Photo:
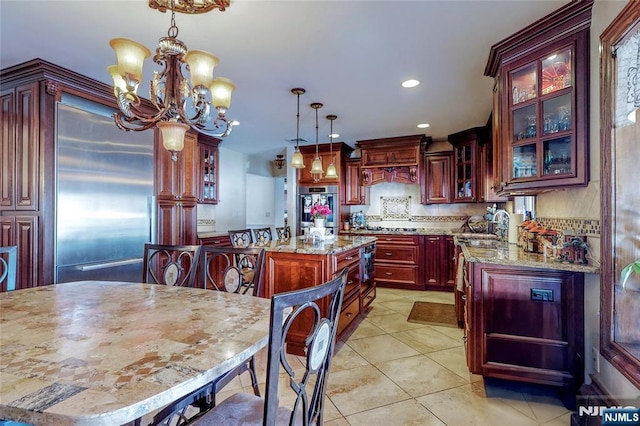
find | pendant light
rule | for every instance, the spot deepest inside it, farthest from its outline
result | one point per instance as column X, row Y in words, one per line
column 331, row 168
column 316, row 166
column 297, row 162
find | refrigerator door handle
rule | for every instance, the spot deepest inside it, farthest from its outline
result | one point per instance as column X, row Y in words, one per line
column 106, row 265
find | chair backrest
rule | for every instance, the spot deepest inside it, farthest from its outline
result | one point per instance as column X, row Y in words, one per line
column 170, row 264
column 283, row 232
column 8, row 266
column 231, row 269
column 262, row 235
column 285, row 308
column 241, row 237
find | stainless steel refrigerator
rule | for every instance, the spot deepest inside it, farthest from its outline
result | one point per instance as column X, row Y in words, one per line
column 104, row 195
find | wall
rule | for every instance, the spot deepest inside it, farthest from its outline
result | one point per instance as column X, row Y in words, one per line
column 231, row 210
column 584, row 203
column 260, row 201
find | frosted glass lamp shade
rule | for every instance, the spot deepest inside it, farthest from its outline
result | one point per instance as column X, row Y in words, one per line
column 316, row 166
column 201, row 65
column 221, row 89
column 332, row 173
column 131, row 56
column 297, row 162
column 118, row 81
column 172, row 134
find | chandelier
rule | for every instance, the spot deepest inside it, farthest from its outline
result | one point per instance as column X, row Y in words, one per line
column 297, row 162
column 179, row 105
column 279, row 161
column 189, row 6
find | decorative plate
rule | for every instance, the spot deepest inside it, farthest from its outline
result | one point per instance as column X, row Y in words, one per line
column 398, row 208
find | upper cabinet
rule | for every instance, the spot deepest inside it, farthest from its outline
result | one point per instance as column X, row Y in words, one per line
column 338, row 151
column 208, row 177
column 540, row 103
column 355, row 193
column 396, row 159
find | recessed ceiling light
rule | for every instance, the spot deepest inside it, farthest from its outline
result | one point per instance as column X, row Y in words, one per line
column 410, row 83
column 423, row 125
column 334, row 135
column 235, row 123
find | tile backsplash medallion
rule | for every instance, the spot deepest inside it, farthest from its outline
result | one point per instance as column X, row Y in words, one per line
column 206, row 214
column 397, row 205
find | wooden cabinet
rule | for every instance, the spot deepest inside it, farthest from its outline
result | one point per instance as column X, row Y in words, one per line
column 437, row 179
column 219, row 241
column 339, row 151
column 354, row 192
column 542, row 111
column 466, row 146
column 294, row 271
column 526, row 324
column 398, row 261
column 395, row 159
column 209, row 167
column 439, row 262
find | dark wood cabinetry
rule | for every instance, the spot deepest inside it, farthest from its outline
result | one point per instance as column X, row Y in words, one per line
column 354, row 192
column 437, row 178
column 466, row 155
column 398, row 261
column 339, row 151
column 209, row 167
column 439, row 267
column 525, row 324
column 396, row 159
column 541, row 103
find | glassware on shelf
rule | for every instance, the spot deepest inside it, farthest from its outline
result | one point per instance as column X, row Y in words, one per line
column 564, row 118
column 531, row 127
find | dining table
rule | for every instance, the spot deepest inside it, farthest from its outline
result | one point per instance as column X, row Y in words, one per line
column 109, row 353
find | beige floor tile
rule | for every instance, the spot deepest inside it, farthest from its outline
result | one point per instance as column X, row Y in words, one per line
column 402, row 413
column 455, row 360
column 426, row 339
column 419, row 375
column 347, row 358
column 366, row 328
column 453, row 332
column 362, row 388
column 395, row 322
column 402, row 307
column 337, row 422
column 563, row 420
column 381, row 348
column 378, row 310
column 330, row 411
column 435, row 297
column 465, row 405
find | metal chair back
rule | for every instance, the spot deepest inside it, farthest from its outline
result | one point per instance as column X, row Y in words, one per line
column 232, row 269
column 241, row 237
column 283, row 233
column 263, row 236
column 170, row 264
column 8, row 267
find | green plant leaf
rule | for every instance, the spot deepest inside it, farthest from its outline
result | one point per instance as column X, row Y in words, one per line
column 628, row 270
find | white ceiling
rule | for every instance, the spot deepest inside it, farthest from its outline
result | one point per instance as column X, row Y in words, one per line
column 351, row 55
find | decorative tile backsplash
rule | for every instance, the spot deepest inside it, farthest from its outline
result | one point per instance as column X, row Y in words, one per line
column 395, row 208
column 589, row 227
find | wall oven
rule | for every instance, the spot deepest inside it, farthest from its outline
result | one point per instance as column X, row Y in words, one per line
column 308, row 196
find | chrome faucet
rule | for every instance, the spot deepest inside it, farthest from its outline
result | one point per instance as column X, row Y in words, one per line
column 500, row 223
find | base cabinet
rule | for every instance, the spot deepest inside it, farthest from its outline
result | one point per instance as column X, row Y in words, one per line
column 439, row 262
column 398, row 261
column 526, row 324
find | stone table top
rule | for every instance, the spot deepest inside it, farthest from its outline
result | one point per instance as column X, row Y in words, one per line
column 301, row 245
column 107, row 353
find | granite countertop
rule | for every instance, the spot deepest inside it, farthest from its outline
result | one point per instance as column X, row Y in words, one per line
column 502, row 253
column 213, row 234
column 300, row 245
column 393, row 231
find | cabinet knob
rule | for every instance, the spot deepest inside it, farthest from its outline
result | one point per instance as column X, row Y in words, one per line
column 349, row 314
column 388, row 273
column 388, row 254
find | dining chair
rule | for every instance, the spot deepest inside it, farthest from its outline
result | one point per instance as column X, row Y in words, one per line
column 263, row 236
column 283, row 233
column 309, row 385
column 241, row 237
column 8, row 266
column 233, row 270
column 170, row 264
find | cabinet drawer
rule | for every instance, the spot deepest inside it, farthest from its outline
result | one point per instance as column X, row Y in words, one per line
column 346, row 259
column 353, row 281
column 216, row 241
column 397, row 254
column 348, row 314
column 409, row 240
column 396, row 274
column 368, row 297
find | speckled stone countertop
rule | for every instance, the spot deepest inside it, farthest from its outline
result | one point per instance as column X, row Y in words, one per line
column 106, row 353
column 502, row 253
column 300, row 245
column 385, row 231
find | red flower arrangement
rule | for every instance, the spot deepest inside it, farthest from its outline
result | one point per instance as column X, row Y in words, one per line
column 320, row 211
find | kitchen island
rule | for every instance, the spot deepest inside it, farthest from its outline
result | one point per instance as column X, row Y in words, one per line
column 523, row 314
column 300, row 263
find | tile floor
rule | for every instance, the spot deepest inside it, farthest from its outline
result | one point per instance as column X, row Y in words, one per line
column 387, row 371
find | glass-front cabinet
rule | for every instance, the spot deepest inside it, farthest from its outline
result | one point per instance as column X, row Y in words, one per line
column 208, row 177
column 543, row 104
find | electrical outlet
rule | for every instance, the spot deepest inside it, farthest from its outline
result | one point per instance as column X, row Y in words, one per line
column 595, row 357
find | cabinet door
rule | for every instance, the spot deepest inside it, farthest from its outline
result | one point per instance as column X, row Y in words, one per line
column 433, row 272
column 404, row 156
column 177, row 179
column 208, row 160
column 354, row 193
column 448, row 259
column 545, row 137
column 176, row 221
column 304, row 175
column 438, row 179
column 22, row 231
column 465, row 161
column 374, row 157
column 7, row 149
